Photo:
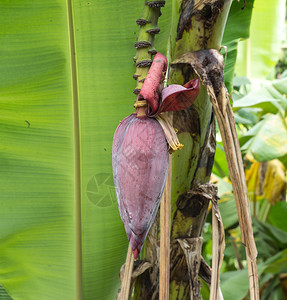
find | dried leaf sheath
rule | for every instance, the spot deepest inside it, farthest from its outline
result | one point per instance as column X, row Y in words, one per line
column 218, row 246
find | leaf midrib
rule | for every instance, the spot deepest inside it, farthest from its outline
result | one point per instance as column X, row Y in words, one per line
column 77, row 162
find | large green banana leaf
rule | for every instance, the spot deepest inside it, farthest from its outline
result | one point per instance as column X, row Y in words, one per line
column 259, row 54
column 237, row 27
column 65, row 83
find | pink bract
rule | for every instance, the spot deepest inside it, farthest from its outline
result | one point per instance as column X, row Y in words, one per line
column 140, row 163
column 150, row 90
column 173, row 98
column 176, row 97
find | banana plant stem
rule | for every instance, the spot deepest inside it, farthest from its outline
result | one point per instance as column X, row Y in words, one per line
column 145, row 43
column 219, row 98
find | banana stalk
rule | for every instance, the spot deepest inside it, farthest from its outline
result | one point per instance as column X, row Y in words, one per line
column 145, row 43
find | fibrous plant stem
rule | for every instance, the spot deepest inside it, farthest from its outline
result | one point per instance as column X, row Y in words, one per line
column 195, row 30
column 208, row 64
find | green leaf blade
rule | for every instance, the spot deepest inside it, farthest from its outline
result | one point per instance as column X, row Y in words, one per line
column 268, row 139
column 258, row 55
column 37, row 255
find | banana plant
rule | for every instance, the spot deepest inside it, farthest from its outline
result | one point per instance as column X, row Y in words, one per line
column 66, row 82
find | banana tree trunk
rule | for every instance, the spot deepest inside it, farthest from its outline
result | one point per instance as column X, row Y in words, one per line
column 195, row 25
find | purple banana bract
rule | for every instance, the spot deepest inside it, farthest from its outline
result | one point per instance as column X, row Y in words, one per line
column 140, row 163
